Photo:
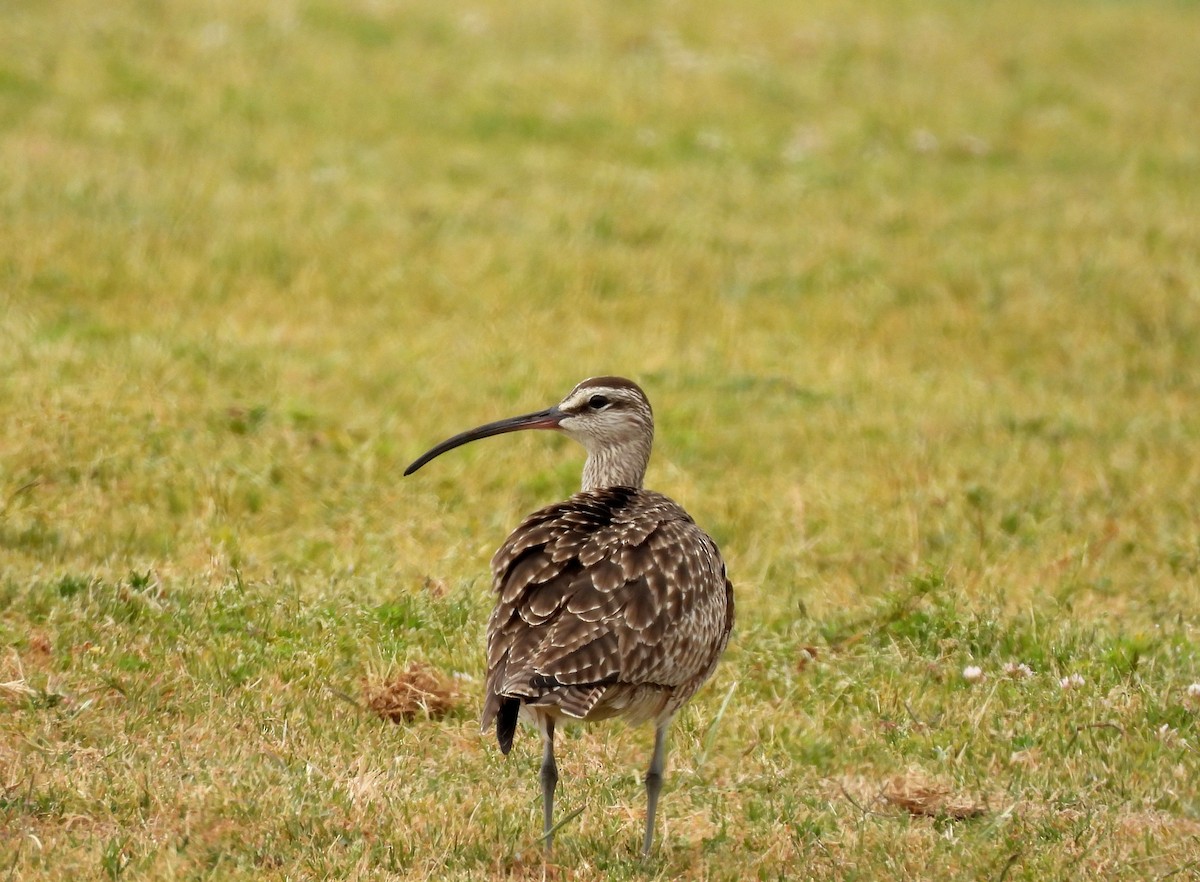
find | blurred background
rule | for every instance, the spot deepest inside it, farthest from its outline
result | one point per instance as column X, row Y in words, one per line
column 911, row 285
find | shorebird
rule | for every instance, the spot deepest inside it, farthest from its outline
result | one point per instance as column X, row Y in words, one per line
column 612, row 603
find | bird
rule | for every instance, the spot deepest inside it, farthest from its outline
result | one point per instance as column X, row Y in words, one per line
column 611, row 603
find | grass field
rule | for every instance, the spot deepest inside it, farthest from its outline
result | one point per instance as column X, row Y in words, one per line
column 913, row 287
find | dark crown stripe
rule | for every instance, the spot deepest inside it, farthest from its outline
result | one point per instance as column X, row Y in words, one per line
column 610, row 383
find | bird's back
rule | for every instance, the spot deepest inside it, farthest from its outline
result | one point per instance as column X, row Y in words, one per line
column 610, row 603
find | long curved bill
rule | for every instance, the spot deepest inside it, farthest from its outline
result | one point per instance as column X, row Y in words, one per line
column 543, row 419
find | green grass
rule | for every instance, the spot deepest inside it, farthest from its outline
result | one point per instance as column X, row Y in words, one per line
column 913, row 287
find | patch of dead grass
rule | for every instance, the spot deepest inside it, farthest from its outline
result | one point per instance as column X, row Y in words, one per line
column 416, row 692
column 12, row 679
column 915, row 792
column 919, row 794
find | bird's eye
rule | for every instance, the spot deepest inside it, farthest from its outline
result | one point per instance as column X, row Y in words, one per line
column 598, row 402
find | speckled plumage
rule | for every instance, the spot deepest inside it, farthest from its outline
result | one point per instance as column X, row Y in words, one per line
column 610, row 603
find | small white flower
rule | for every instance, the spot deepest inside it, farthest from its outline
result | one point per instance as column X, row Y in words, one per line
column 711, row 140
column 1017, row 671
column 924, row 141
column 1165, row 732
column 1072, row 682
column 1194, row 691
column 972, row 673
column 473, row 23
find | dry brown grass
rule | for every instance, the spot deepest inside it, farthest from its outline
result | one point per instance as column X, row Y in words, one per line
column 918, row 794
column 419, row 692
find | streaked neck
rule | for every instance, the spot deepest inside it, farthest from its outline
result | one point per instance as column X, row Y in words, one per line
column 623, row 466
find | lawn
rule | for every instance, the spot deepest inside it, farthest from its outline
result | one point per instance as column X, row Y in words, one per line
column 914, row 289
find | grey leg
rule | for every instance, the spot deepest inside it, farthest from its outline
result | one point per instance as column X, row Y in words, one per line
column 549, row 779
column 654, row 782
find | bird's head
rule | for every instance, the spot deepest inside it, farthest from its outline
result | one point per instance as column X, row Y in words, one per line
column 609, row 416
column 606, row 412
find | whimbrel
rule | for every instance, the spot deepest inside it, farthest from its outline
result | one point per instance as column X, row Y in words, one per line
column 612, row 603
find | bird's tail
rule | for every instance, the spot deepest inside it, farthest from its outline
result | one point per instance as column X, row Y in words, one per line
column 506, row 722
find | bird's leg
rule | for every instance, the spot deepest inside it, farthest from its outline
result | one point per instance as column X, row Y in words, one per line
column 548, row 777
column 654, row 782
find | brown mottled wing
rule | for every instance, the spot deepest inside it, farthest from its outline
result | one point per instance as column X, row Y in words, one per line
column 612, row 590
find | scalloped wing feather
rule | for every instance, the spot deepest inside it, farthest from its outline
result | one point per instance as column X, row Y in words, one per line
column 613, row 601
